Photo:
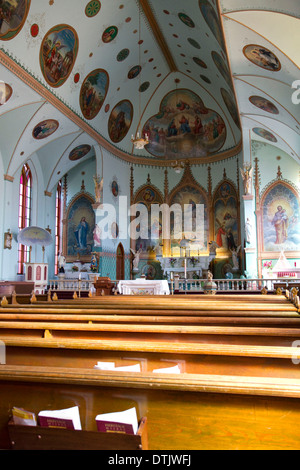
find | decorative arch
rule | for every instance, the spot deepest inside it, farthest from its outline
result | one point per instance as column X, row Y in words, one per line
column 147, row 195
column 226, row 216
column 189, row 191
column 79, row 224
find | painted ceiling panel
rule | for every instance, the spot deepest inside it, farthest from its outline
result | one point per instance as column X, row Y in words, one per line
column 108, row 69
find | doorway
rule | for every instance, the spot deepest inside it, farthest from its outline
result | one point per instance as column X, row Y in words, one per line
column 120, row 263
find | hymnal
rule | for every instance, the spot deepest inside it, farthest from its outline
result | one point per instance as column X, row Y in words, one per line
column 125, row 422
column 68, row 418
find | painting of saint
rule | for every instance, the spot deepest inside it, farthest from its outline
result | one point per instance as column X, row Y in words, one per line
column 222, row 67
column 264, row 134
column 45, row 129
column 281, row 219
column 109, row 34
column 13, row 14
column 93, row 93
column 226, row 217
column 79, row 152
column 115, row 188
column 5, row 93
column 184, row 126
column 120, row 121
column 58, row 54
column 264, row 104
column 80, row 227
column 262, row 57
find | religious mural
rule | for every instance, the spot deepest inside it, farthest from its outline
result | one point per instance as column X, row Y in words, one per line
column 191, row 196
column 211, row 18
column 80, row 227
column 93, row 93
column 231, row 106
column 45, row 129
column 264, row 134
column 226, row 223
column 264, row 104
column 281, row 219
column 13, row 14
column 79, row 152
column 262, row 57
column 58, row 54
column 147, row 196
column 222, row 67
column 184, row 126
column 120, row 121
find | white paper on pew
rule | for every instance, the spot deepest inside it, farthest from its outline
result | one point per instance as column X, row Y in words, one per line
column 111, row 366
column 67, row 414
column 105, row 366
column 135, row 368
column 168, row 370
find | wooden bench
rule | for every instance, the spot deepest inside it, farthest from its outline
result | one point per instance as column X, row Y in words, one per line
column 187, row 412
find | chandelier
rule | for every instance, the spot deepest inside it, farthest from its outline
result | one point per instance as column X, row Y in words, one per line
column 178, row 166
column 140, row 140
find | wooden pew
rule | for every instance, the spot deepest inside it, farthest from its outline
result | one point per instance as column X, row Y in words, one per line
column 186, row 412
column 231, row 347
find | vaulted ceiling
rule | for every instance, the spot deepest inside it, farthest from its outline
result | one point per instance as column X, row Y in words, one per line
column 199, row 77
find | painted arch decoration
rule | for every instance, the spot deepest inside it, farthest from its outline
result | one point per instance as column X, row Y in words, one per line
column 184, row 126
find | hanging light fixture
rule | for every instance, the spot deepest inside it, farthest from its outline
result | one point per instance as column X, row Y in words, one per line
column 178, row 166
column 140, row 140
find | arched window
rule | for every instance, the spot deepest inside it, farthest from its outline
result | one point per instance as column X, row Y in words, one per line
column 25, row 192
column 58, row 216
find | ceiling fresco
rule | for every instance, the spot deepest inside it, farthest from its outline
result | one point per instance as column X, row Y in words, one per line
column 198, row 77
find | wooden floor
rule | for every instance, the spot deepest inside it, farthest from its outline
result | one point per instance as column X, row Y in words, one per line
column 239, row 386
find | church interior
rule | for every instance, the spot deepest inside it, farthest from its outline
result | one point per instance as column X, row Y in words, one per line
column 150, row 223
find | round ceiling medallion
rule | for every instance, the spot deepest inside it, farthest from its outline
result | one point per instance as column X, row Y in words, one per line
column 34, row 30
column 92, row 8
column 58, row 54
column 264, row 134
column 79, row 152
column 109, row 34
column 186, row 20
column 5, row 93
column 120, row 121
column 264, row 104
column 13, row 16
column 93, row 93
column 123, row 54
column 262, row 57
column 134, row 72
column 45, row 129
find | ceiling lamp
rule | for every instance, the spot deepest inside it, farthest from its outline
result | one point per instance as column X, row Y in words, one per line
column 140, row 140
column 178, row 167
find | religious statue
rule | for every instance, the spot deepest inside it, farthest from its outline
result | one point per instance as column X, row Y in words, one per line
column 248, row 230
column 235, row 261
column 136, row 259
column 247, row 173
column 213, row 247
column 61, row 263
column 98, row 182
column 94, row 264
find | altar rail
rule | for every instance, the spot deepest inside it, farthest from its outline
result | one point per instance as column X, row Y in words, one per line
column 187, row 285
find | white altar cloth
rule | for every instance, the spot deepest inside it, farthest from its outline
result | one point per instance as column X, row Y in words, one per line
column 144, row 287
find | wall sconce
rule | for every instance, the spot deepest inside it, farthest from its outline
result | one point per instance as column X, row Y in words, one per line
column 8, row 240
